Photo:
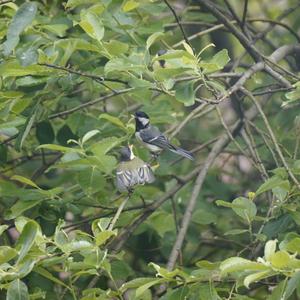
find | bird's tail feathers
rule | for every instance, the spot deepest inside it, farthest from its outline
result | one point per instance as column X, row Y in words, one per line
column 182, row 152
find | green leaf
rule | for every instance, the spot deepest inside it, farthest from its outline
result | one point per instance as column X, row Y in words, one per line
column 153, row 38
column 270, row 249
column 161, row 222
column 29, row 81
column 65, row 134
column 17, row 291
column 242, row 206
column 49, row 276
column 278, row 292
column 163, row 272
column 291, row 243
column 218, row 62
column 235, row 264
column 207, row 292
column 221, row 58
column 89, row 135
column 45, row 133
column 92, row 25
column 141, row 289
column 26, row 128
column 130, row 5
column 79, row 245
column 27, row 57
column 3, row 228
column 104, row 236
column 24, row 180
column 91, row 180
column 74, row 3
column 176, row 54
column 116, row 48
column 256, row 277
column 20, row 21
column 3, row 154
column 19, row 207
column 58, row 29
column 114, row 120
column 276, row 226
column 169, row 73
column 125, row 65
column 6, row 254
column 272, row 183
column 13, row 68
column 58, row 148
column 135, row 283
column 292, row 96
column 201, row 216
column 280, row 259
column 26, row 239
column 185, row 93
column 292, row 284
column 77, row 44
column 235, row 231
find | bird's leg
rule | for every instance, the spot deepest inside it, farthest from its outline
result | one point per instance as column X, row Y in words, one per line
column 130, row 191
column 154, row 157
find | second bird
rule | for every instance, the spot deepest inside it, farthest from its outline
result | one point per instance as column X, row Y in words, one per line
column 151, row 137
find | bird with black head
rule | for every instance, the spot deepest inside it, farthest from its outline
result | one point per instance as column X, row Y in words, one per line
column 151, row 137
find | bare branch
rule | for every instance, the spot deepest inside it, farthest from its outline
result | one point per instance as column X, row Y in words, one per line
column 178, row 22
column 268, row 126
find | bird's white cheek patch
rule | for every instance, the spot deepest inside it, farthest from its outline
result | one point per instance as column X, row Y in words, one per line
column 144, row 121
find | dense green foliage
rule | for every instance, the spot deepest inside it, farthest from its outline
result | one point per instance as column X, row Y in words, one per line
column 225, row 226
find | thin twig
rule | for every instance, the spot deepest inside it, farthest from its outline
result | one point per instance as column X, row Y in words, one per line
column 178, row 22
column 187, row 119
column 264, row 135
column 91, row 76
column 216, row 150
column 272, row 135
column 117, row 215
column 255, row 54
column 244, row 14
column 87, row 104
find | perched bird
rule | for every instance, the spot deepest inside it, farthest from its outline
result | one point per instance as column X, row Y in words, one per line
column 151, row 137
column 132, row 171
column 162, row 62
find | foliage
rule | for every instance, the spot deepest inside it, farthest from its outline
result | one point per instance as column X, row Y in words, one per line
column 72, row 73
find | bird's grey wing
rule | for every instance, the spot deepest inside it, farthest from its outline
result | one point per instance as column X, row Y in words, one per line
column 153, row 136
column 124, row 180
column 145, row 174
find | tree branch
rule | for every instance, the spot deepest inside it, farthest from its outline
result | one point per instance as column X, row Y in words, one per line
column 239, row 35
column 216, row 150
column 276, row 56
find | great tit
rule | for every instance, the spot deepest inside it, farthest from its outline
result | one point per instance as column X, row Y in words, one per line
column 132, row 171
column 151, row 137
